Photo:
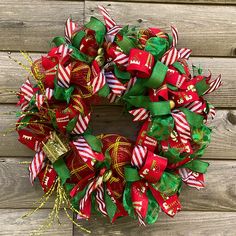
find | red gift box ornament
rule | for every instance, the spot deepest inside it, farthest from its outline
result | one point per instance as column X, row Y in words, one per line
column 140, row 63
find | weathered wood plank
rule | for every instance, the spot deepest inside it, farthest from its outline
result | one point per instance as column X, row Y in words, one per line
column 110, row 119
column 12, row 76
column 219, row 194
column 31, row 25
column 12, row 224
column 207, row 30
column 186, row 223
column 224, row 2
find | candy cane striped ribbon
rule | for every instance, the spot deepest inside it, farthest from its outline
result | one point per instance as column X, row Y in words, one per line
column 24, row 105
column 109, row 22
column 192, row 179
column 175, row 36
column 36, row 165
column 113, row 97
column 115, row 85
column 64, row 75
column 39, row 100
column 196, row 106
column 121, row 58
column 182, row 126
column 138, row 156
column 70, row 28
column 212, row 112
column 130, row 84
column 110, row 36
column 99, row 79
column 139, row 114
column 215, row 84
column 100, row 200
column 184, row 53
column 170, row 57
column 140, row 219
column 81, row 124
column 64, row 50
column 49, row 93
column 27, row 90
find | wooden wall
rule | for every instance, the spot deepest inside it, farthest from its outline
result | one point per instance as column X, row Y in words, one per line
column 208, row 27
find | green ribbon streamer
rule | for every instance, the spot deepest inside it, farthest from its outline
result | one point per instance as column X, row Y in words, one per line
column 93, row 142
column 169, row 183
column 197, row 166
column 157, row 47
column 137, row 89
column 179, row 67
column 193, row 119
column 201, row 87
column 159, row 108
column 158, row 75
column 24, row 122
column 172, row 87
column 104, row 91
column 110, row 205
column 77, row 197
column 161, row 127
column 77, row 38
column 127, row 201
column 124, row 76
column 173, row 155
column 62, row 94
column 153, row 209
column 62, row 170
column 100, row 29
column 196, row 70
column 131, row 174
column 59, row 41
column 71, row 124
column 126, row 44
column 76, row 54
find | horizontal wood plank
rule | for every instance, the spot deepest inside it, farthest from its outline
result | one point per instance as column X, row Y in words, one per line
column 224, row 2
column 31, row 25
column 12, row 224
column 184, row 224
column 218, row 195
column 12, row 76
column 111, row 119
column 207, row 30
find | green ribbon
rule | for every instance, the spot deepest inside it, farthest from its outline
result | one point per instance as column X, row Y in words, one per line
column 201, row 87
column 110, row 205
column 100, row 29
column 77, row 197
column 177, row 65
column 71, row 124
column 93, row 142
column 153, row 209
column 127, row 201
column 124, row 76
column 159, row 108
column 197, row 166
column 157, row 47
column 161, row 127
column 158, row 75
column 126, row 44
column 58, row 41
column 76, row 54
column 131, row 174
column 193, row 119
column 77, row 38
column 169, row 183
column 62, row 94
column 104, row 91
column 62, row 170
column 137, row 89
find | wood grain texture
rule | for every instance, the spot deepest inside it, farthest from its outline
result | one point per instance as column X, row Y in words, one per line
column 12, row 76
column 223, row 2
column 207, row 30
column 184, row 224
column 111, row 119
column 31, row 25
column 12, row 224
column 219, row 194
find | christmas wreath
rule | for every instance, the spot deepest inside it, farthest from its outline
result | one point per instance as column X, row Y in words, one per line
column 109, row 174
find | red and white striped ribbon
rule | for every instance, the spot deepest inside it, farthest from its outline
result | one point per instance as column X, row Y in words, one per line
column 196, row 106
column 39, row 100
column 99, row 79
column 139, row 114
column 121, row 59
column 27, row 90
column 140, row 219
column 115, row 85
column 24, row 105
column 175, row 36
column 81, row 124
column 49, row 93
column 184, row 53
column 182, row 126
column 192, row 179
column 215, row 84
column 109, row 22
column 130, row 84
column 64, row 50
column 70, row 28
column 170, row 57
column 64, row 75
column 101, row 200
column 36, row 165
column 138, row 156
column 112, row 97
column 212, row 112
column 110, row 35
